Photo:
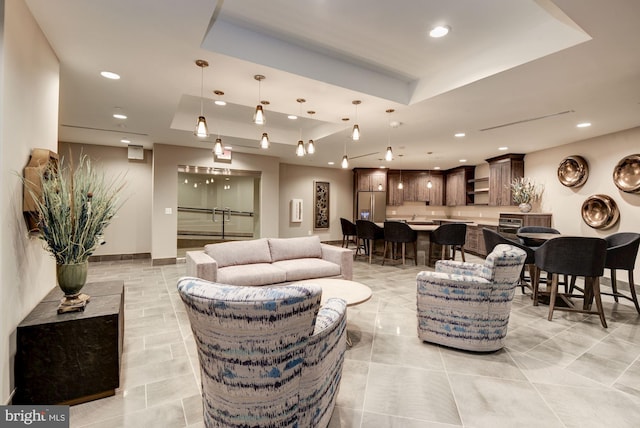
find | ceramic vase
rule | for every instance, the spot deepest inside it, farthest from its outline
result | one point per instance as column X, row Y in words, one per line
column 72, row 277
column 524, row 207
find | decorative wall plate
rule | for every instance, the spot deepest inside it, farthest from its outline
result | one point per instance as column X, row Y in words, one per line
column 626, row 174
column 573, row 171
column 600, row 212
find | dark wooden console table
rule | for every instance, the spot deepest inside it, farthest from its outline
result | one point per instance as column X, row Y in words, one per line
column 73, row 357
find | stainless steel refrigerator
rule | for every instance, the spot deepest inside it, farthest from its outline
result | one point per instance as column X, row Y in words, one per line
column 372, row 206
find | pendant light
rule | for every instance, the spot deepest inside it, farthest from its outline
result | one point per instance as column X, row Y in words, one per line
column 300, row 151
column 217, row 147
column 429, row 183
column 400, row 185
column 264, row 141
column 345, row 161
column 201, row 131
column 355, row 133
column 311, row 146
column 389, row 154
column 259, row 117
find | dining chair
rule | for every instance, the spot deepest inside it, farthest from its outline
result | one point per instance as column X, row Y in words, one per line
column 368, row 232
column 397, row 232
column 451, row 236
column 493, row 238
column 622, row 250
column 575, row 256
column 348, row 232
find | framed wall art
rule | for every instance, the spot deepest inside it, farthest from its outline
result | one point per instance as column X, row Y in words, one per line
column 321, row 205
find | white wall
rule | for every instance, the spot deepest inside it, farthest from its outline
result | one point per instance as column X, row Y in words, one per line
column 167, row 158
column 130, row 231
column 29, row 86
column 296, row 182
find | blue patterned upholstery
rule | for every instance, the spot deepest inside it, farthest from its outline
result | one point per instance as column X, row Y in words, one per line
column 269, row 356
column 467, row 305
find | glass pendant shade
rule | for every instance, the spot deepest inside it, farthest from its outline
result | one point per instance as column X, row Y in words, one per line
column 300, row 148
column 217, row 147
column 345, row 161
column 258, row 117
column 264, row 141
column 429, row 184
column 355, row 134
column 389, row 155
column 400, row 185
column 202, row 130
column 311, row 147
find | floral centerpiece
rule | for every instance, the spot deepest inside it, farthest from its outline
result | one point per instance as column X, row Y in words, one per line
column 524, row 191
column 73, row 205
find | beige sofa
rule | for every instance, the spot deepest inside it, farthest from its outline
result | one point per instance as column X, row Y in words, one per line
column 269, row 261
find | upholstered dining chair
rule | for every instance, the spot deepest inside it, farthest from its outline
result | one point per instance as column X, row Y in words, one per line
column 493, row 238
column 397, row 232
column 578, row 257
column 348, row 232
column 467, row 305
column 622, row 250
column 368, row 232
column 269, row 356
column 451, row 236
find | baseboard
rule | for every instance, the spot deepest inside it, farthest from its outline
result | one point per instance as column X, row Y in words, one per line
column 116, row 257
column 164, row 262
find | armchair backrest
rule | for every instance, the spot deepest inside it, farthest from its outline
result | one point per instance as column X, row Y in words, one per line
column 503, row 264
column 251, row 344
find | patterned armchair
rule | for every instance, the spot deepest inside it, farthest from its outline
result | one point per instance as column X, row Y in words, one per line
column 467, row 305
column 269, row 356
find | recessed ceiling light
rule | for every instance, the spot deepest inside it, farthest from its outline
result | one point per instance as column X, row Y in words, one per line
column 463, row 160
column 503, row 148
column 439, row 31
column 292, row 117
column 220, row 103
column 459, row 134
column 382, row 167
column 583, row 125
column 110, row 75
column 436, row 167
column 228, row 147
column 125, row 141
column 331, row 163
column 119, row 116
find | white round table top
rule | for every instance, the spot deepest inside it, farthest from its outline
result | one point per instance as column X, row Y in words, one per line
column 352, row 292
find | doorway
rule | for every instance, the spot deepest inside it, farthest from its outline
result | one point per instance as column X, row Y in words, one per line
column 216, row 205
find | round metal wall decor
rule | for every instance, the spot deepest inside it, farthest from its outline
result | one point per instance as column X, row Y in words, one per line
column 626, row 174
column 573, row 171
column 600, row 212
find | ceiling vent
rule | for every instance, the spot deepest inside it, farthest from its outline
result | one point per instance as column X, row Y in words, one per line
column 504, row 125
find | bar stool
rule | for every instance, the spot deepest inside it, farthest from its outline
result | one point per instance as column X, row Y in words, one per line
column 368, row 232
column 534, row 243
column 450, row 235
column 575, row 256
column 396, row 232
column 622, row 250
column 348, row 232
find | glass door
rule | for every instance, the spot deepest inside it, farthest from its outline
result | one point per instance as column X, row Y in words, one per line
column 216, row 205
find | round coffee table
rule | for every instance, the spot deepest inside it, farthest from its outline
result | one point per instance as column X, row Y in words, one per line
column 354, row 293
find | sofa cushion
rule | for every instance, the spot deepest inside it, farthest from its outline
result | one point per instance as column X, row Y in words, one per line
column 308, row 268
column 253, row 274
column 295, row 248
column 239, row 252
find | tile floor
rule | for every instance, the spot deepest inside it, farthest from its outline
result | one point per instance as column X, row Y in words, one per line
column 570, row 372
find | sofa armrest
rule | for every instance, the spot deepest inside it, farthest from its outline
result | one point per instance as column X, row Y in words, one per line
column 340, row 256
column 461, row 268
column 201, row 265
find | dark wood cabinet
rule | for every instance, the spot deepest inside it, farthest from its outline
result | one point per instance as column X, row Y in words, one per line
column 475, row 239
column 394, row 195
column 73, row 357
column 436, row 193
column 502, row 171
column 415, row 187
column 370, row 179
column 458, row 189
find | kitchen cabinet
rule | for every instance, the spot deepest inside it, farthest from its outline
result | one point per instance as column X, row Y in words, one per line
column 394, row 195
column 370, row 179
column 457, row 186
column 502, row 170
column 436, row 193
column 475, row 239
